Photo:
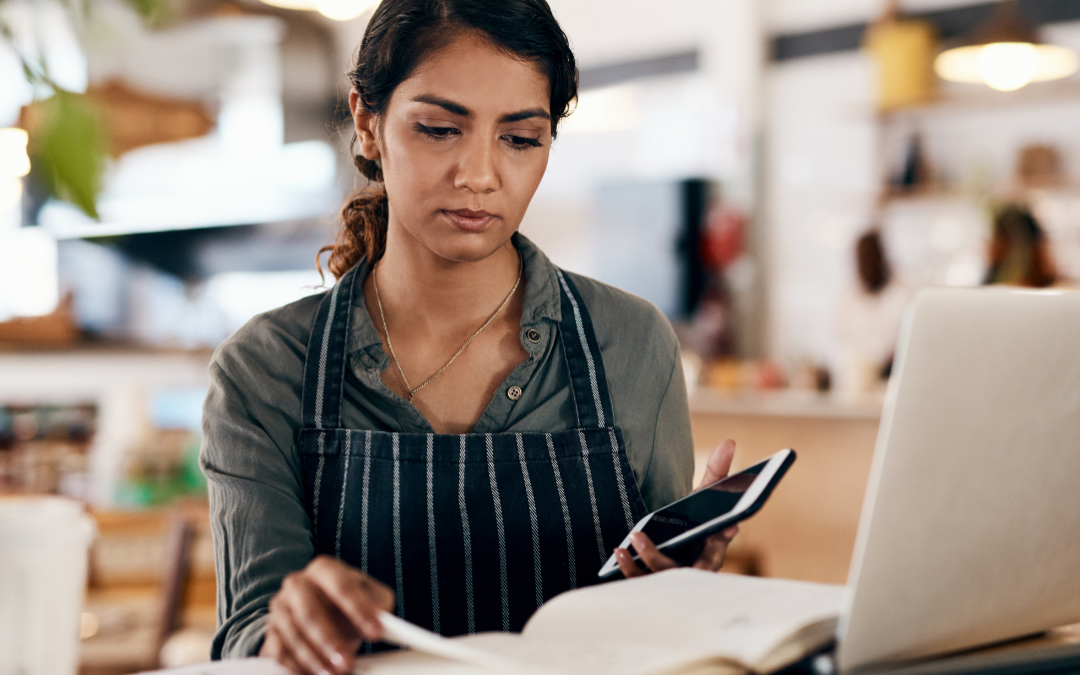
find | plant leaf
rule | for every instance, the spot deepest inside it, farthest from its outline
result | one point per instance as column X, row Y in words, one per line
column 149, row 9
column 68, row 145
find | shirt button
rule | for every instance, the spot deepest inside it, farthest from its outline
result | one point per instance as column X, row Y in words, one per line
column 513, row 393
column 532, row 335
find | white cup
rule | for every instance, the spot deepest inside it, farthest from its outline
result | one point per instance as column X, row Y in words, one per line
column 44, row 547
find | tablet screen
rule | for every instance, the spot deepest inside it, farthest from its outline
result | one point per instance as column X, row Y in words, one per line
column 702, row 506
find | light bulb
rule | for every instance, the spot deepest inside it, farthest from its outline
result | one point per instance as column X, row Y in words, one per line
column 1007, row 66
column 342, row 10
column 1056, row 62
column 14, row 161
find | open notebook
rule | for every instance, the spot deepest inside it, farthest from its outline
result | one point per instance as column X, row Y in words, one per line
column 681, row 622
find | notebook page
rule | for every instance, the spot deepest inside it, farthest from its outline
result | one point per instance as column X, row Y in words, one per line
column 513, row 654
column 405, row 634
column 571, row 657
column 414, row 663
column 689, row 611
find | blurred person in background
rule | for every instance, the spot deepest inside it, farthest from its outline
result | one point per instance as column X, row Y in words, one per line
column 1019, row 252
column 458, row 430
column 870, row 316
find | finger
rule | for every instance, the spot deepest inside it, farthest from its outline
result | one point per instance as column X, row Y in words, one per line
column 323, row 625
column 713, row 553
column 296, row 643
column 273, row 649
column 356, row 595
column 271, row 645
column 626, row 564
column 719, row 463
column 291, row 664
column 649, row 554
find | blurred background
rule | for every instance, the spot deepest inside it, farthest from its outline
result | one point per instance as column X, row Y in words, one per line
column 778, row 176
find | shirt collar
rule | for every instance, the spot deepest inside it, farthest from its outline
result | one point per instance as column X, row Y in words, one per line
column 543, row 303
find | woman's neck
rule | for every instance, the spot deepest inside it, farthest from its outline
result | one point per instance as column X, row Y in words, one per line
column 423, row 291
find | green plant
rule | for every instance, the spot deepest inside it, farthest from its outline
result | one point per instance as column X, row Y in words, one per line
column 67, row 142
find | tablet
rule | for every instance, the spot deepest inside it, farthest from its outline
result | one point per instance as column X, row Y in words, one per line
column 679, row 529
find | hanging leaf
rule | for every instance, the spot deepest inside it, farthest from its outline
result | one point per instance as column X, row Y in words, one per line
column 67, row 139
column 67, row 143
column 148, row 9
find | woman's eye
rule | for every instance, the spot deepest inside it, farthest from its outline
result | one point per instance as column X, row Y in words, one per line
column 522, row 141
column 437, row 132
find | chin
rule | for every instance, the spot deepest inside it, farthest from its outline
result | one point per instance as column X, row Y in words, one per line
column 471, row 247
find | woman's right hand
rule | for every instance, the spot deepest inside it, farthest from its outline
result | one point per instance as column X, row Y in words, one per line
column 322, row 615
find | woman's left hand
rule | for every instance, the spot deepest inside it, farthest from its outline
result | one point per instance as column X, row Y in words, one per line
column 712, row 556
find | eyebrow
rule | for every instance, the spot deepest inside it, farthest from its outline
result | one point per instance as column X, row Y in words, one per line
column 462, row 111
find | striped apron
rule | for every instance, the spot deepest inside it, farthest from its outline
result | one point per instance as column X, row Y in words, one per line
column 473, row 532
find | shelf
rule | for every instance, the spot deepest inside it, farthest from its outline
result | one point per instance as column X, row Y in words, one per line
column 80, row 375
column 955, row 100
column 1010, row 194
column 786, row 403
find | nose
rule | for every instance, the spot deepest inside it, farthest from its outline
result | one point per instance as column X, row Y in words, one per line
column 478, row 169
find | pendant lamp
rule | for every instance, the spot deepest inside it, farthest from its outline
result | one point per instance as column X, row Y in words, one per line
column 1005, row 54
column 338, row 10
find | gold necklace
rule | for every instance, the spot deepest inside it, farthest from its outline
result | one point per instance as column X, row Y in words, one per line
column 390, row 345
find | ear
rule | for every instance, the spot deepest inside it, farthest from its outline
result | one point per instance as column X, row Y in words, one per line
column 364, row 123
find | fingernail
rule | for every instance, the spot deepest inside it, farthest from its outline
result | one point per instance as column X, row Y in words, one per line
column 637, row 539
column 338, row 659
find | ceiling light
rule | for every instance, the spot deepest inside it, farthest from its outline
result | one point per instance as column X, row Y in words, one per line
column 14, row 162
column 1005, row 54
column 342, row 10
column 307, row 5
column 338, row 10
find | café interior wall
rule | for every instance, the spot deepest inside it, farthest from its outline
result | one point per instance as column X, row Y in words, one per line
column 819, row 188
column 793, row 16
column 701, row 124
column 827, row 157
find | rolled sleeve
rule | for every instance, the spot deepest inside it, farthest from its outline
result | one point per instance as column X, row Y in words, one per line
column 260, row 527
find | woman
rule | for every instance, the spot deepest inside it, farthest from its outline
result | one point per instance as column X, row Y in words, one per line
column 1019, row 252
column 442, row 423
column 869, row 318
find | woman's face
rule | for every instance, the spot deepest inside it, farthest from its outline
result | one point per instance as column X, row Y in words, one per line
column 464, row 143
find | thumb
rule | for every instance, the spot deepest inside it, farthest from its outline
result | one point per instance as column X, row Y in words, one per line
column 719, row 463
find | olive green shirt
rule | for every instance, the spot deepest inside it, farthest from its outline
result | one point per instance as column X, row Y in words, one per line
column 252, row 413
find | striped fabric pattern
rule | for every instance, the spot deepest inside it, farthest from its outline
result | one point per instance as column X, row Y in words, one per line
column 472, row 532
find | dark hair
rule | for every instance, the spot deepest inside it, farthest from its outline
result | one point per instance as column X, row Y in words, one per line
column 399, row 36
column 873, row 265
column 1019, row 252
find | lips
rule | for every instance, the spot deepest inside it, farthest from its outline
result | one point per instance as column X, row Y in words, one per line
column 469, row 220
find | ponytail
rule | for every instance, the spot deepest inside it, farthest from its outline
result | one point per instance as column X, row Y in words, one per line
column 363, row 224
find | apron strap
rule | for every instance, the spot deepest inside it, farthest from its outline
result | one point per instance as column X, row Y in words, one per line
column 324, row 367
column 587, row 378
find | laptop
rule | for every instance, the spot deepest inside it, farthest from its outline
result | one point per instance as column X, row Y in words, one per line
column 970, row 532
